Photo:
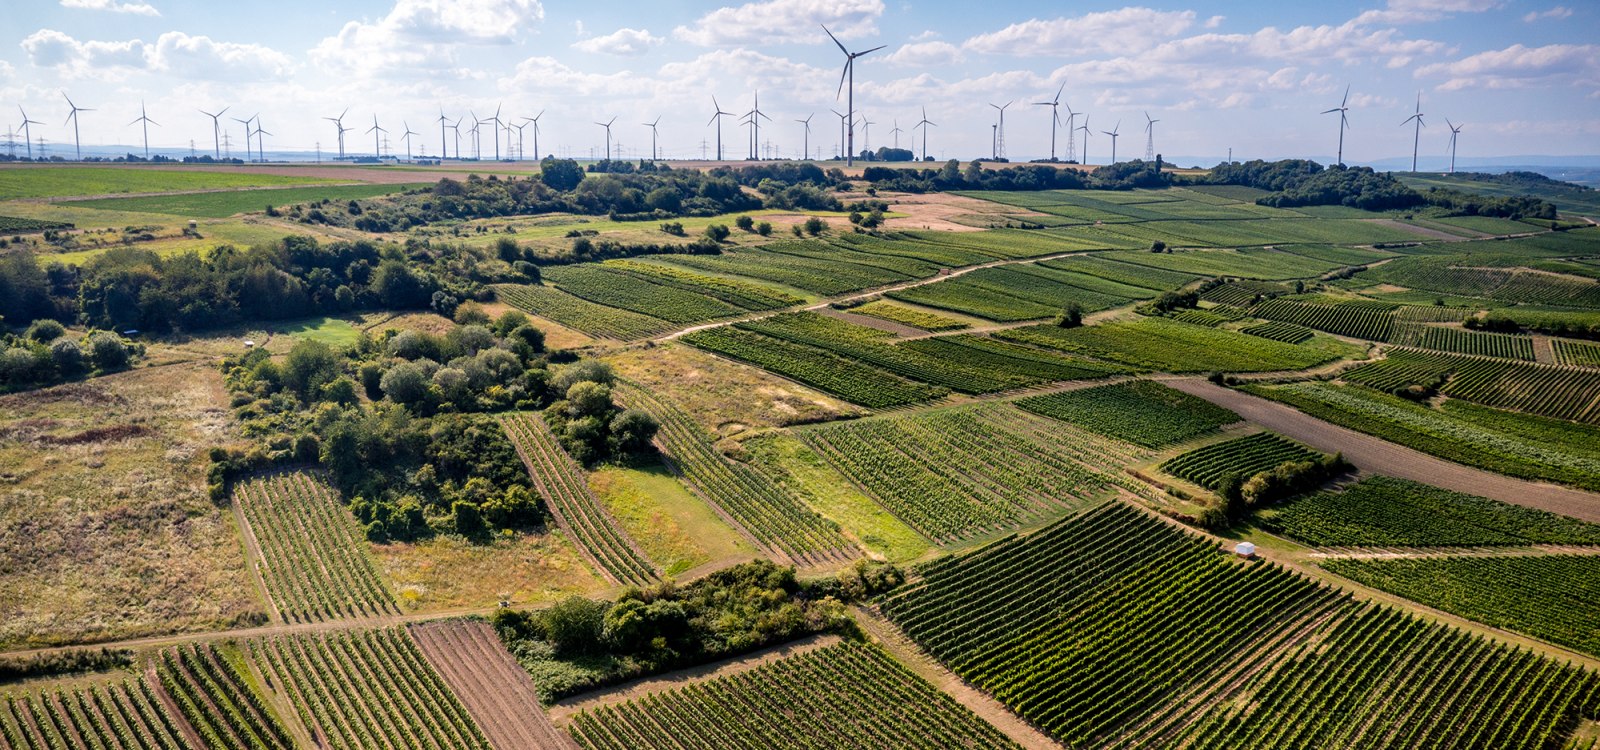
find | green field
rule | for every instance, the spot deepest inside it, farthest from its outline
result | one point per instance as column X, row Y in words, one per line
column 52, row 182
column 1570, row 199
column 1168, row 346
column 1142, row 412
column 223, row 204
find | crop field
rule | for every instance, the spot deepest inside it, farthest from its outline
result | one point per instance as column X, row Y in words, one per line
column 927, row 321
column 561, row 483
column 815, row 275
column 15, row 225
column 1244, row 293
column 581, row 314
column 1491, row 225
column 1011, row 243
column 1262, row 264
column 749, row 499
column 1570, row 393
column 1462, row 341
column 1141, row 412
column 1318, row 669
column 844, row 695
column 1520, row 445
column 1465, row 276
column 902, row 265
column 1579, row 353
column 1245, row 457
column 1355, row 321
column 1155, row 279
column 491, row 685
column 125, row 715
column 1025, row 363
column 848, row 379
column 54, row 182
column 957, row 473
column 602, row 286
column 962, row 296
column 219, row 205
column 213, row 693
column 365, row 689
column 313, row 560
column 1386, row 512
column 1168, row 346
column 1549, row 597
column 742, row 294
column 1277, row 330
column 933, row 249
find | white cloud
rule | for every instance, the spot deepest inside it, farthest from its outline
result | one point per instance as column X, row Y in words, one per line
column 775, row 21
column 48, row 48
column 1421, row 11
column 138, row 9
column 550, row 75
column 1117, row 31
column 423, row 34
column 627, row 42
column 1557, row 13
column 926, row 35
column 202, row 57
column 1518, row 66
column 1215, row 21
column 920, row 54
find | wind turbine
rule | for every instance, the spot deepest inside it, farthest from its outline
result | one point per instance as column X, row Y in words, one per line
column 1000, row 130
column 850, row 106
column 72, row 117
column 535, row 121
column 455, row 127
column 1055, row 117
column 925, row 124
column 1149, row 137
column 216, row 130
column 1113, row 133
column 246, row 124
column 407, row 138
column 444, row 145
column 1085, row 128
column 607, row 126
column 755, row 115
column 338, row 122
column 473, row 131
column 144, row 118
column 1455, row 130
column 805, row 152
column 27, row 132
column 841, row 117
column 261, row 144
column 522, row 151
column 1416, row 137
column 1344, row 122
column 717, row 118
column 377, row 147
column 653, row 133
column 895, row 131
column 866, row 132
column 496, row 121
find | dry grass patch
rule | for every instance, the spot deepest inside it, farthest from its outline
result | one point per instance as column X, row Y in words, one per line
column 672, row 526
column 448, row 572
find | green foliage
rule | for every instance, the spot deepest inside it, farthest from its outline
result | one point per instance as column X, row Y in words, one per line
column 1247, row 456
column 1168, row 346
column 559, row 174
column 1141, row 412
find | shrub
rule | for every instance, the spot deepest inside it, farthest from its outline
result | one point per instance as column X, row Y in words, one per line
column 718, row 232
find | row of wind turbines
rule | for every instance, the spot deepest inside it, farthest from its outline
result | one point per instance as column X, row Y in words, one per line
column 1416, row 136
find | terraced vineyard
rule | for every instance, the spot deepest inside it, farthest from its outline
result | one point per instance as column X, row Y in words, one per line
column 744, row 496
column 846, row 378
column 956, row 473
column 1549, row 597
column 1141, row 412
column 581, row 314
column 1229, row 654
column 846, row 695
column 1356, row 321
column 1462, row 341
column 215, row 698
column 1385, row 512
column 1548, row 390
column 561, row 482
column 125, row 715
column 365, row 689
column 1245, row 456
column 314, row 563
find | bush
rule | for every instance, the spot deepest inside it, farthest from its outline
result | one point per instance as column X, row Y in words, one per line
column 45, row 330
column 764, row 229
column 745, row 223
column 717, row 232
column 1071, row 316
column 815, row 226
column 108, row 351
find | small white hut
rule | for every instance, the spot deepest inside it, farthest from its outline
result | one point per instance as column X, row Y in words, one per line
column 1245, row 549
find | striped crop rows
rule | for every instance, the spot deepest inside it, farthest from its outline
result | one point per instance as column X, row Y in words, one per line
column 846, row 695
column 853, row 381
column 581, row 314
column 314, row 563
column 125, row 715
column 1579, row 353
column 1356, row 321
column 215, row 698
column 774, row 518
column 366, row 690
column 1278, row 330
column 1562, row 392
column 561, row 482
column 1462, row 341
column 1246, row 456
column 956, row 473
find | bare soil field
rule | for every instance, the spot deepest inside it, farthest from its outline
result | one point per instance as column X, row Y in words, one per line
column 494, row 688
column 938, row 211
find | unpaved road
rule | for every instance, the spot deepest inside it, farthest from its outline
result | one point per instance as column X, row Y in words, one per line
column 1383, row 457
column 490, row 683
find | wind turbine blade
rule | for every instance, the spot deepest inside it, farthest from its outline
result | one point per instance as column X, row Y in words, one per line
column 870, row 51
column 835, row 39
column 1331, row 111
column 842, row 74
column 1058, row 91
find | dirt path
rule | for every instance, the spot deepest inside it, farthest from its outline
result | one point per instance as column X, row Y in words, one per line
column 1432, row 234
column 900, row 330
column 171, row 707
column 254, row 560
column 1416, row 553
column 914, row 658
column 495, row 689
column 1383, row 457
column 562, row 711
column 1544, row 352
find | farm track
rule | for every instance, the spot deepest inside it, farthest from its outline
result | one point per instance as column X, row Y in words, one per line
column 1417, row 553
column 255, row 560
column 495, row 689
column 1383, row 457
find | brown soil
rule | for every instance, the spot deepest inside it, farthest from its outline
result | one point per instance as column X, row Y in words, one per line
column 494, row 688
column 1383, row 457
column 937, row 211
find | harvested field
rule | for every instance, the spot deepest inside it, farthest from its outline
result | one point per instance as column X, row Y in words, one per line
column 489, row 682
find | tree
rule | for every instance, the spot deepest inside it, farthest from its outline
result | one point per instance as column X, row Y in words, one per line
column 764, row 229
column 468, row 521
column 717, row 232
column 108, row 351
column 815, row 226
column 575, row 625
column 1071, row 316
column 631, row 433
column 664, row 199
column 310, row 365
column 68, row 357
column 405, row 383
column 745, row 223
column 560, row 174
column 45, row 330
column 589, row 399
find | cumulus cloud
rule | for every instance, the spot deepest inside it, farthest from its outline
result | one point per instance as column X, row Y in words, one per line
column 1518, row 66
column 1557, row 13
column 138, row 9
column 627, row 42
column 48, row 48
column 550, row 75
column 423, row 33
column 919, row 54
column 195, row 57
column 1422, row 11
column 775, row 21
column 1117, row 31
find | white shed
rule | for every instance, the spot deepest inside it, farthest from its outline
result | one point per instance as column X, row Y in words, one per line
column 1245, row 549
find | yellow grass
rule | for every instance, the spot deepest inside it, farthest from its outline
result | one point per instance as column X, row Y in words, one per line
column 674, row 528
column 447, row 572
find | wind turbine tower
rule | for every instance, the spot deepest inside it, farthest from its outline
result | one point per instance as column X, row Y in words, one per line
column 717, row 118
column 407, row 138
column 1344, row 121
column 1455, row 130
column 1149, row 137
column 841, row 117
column 1113, row 133
column 261, row 143
column 653, row 133
column 850, row 104
column 144, row 118
column 1416, row 137
column 1055, row 117
column 755, row 115
column 805, row 152
column 338, row 122
column 535, row 122
column 216, row 131
column 375, row 130
column 1000, row 131
column 246, row 124
column 607, row 126
column 27, row 132
column 925, row 123
column 72, row 117
column 896, row 133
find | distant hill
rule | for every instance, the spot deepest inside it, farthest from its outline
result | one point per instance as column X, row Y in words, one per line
column 1567, row 196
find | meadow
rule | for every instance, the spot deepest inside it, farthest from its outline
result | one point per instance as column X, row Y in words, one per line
column 219, row 205
column 55, row 182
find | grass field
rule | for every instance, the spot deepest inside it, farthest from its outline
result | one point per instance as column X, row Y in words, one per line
column 671, row 526
column 224, row 204
column 1168, row 346
column 32, row 182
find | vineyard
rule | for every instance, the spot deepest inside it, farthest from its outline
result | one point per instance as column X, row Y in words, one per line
column 846, row 378
column 1154, row 279
column 16, row 225
column 956, row 473
column 1141, row 412
column 1462, row 341
column 125, row 715
column 1168, row 643
column 743, row 294
column 214, row 696
column 1547, row 390
column 1245, row 456
column 1169, row 346
column 561, row 482
column 750, row 500
column 581, row 314
column 1577, row 353
column 817, row 275
column 1384, row 512
column 365, row 689
column 1550, row 597
column 1277, row 330
column 612, row 288
column 1244, row 293
column 903, row 315
column 1457, row 275
column 495, row 689
column 314, row 562
column 845, row 695
column 1355, row 321
column 962, row 296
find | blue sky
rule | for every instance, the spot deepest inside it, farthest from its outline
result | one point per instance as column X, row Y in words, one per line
column 1522, row 77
